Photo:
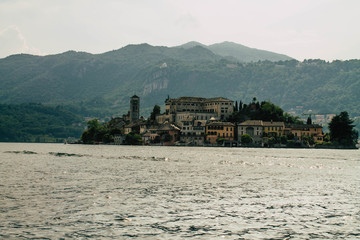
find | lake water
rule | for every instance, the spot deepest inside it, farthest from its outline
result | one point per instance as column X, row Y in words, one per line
column 57, row 191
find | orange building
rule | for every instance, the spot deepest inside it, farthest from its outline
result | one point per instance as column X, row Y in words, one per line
column 216, row 130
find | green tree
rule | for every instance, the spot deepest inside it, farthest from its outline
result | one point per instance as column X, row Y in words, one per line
column 94, row 133
column 108, row 138
column 246, row 139
column 283, row 139
column 133, row 139
column 307, row 140
column 220, row 140
column 290, row 136
column 272, row 141
column 341, row 130
column 309, row 121
column 236, row 108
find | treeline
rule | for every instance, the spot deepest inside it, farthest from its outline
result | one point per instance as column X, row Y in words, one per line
column 38, row 123
column 265, row 111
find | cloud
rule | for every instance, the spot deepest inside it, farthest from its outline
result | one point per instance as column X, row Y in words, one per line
column 14, row 42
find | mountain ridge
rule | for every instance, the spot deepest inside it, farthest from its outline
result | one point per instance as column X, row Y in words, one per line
column 239, row 52
column 104, row 82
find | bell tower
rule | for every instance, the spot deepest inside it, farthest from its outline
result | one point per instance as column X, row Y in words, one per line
column 134, row 108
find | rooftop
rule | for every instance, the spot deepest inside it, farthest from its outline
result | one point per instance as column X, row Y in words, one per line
column 252, row 123
column 271, row 124
column 220, row 124
column 199, row 99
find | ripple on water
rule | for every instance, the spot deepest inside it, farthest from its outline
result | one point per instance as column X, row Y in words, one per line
column 118, row 192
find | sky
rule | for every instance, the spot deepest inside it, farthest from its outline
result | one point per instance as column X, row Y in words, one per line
column 302, row 29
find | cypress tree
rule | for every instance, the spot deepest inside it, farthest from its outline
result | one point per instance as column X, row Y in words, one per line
column 240, row 106
column 309, row 121
column 341, row 130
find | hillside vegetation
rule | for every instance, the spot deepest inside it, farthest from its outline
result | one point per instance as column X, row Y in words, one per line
column 101, row 84
column 38, row 123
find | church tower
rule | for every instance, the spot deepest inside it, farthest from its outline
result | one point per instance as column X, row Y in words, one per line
column 134, row 108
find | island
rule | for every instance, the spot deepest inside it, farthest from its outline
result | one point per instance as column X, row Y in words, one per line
column 198, row 121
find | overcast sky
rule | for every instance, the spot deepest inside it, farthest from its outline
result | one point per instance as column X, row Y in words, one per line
column 302, row 29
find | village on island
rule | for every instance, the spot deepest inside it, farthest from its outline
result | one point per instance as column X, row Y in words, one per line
column 197, row 121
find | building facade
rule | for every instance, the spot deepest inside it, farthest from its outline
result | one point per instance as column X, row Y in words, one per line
column 215, row 130
column 252, row 127
column 272, row 129
column 222, row 108
column 301, row 130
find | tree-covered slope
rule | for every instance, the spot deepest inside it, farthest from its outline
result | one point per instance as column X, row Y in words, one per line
column 103, row 83
column 317, row 85
column 76, row 76
column 37, row 123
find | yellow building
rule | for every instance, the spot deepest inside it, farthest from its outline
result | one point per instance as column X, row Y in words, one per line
column 273, row 128
column 215, row 130
column 300, row 130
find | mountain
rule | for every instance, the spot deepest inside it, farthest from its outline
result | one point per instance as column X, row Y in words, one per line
column 77, row 76
column 245, row 54
column 192, row 44
column 239, row 52
column 101, row 84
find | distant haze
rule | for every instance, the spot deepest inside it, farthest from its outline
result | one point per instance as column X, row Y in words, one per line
column 302, row 29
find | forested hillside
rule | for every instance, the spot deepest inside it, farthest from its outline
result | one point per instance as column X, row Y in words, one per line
column 102, row 84
column 38, row 123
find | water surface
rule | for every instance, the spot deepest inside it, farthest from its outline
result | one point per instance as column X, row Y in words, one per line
column 57, row 191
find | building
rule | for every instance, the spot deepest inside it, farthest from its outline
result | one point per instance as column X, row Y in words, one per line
column 168, row 133
column 301, row 130
column 150, row 135
column 134, row 108
column 119, row 139
column 221, row 107
column 162, row 118
column 180, row 116
column 252, row 127
column 272, row 129
column 215, row 130
column 192, row 131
